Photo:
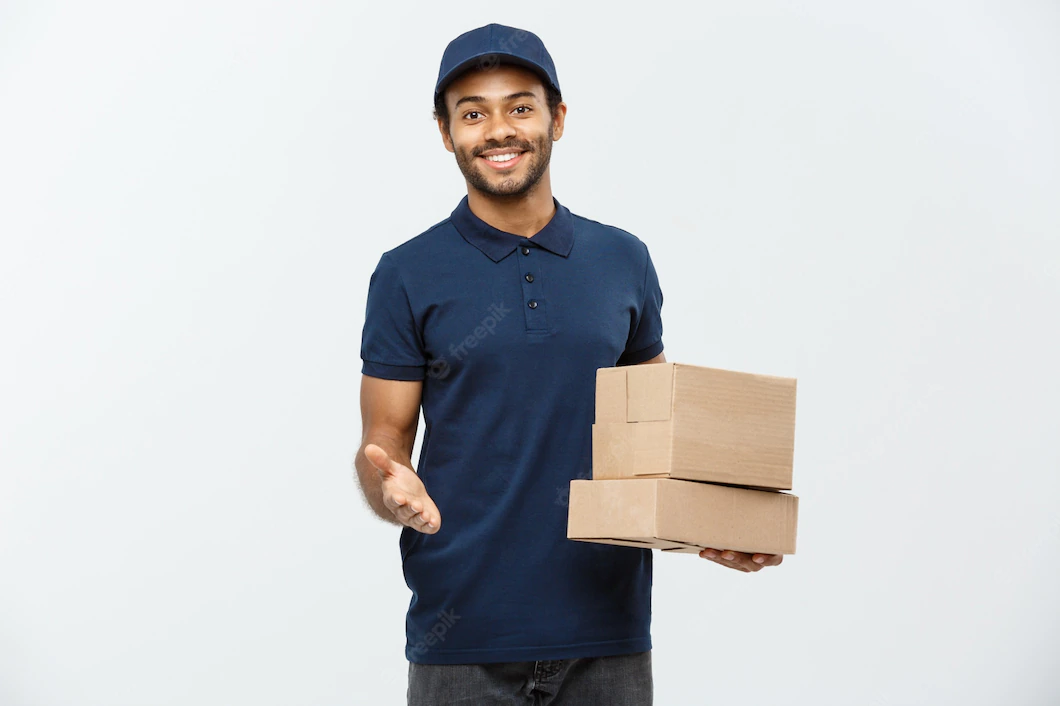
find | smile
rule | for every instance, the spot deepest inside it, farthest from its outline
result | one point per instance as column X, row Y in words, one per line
column 503, row 161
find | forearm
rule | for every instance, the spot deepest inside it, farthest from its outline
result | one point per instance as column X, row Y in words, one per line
column 370, row 482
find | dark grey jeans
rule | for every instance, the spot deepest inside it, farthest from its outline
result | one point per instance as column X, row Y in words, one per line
column 621, row 680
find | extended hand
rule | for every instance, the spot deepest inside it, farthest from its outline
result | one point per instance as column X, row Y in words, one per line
column 404, row 493
column 741, row 561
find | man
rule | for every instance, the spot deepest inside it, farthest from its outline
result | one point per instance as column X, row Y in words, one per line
column 495, row 320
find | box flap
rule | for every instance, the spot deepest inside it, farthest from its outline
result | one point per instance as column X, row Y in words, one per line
column 649, row 392
column 642, row 542
column 610, row 394
column 652, row 448
column 631, row 450
column 612, row 452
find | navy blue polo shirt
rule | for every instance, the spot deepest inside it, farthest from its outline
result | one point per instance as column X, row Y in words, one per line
column 506, row 333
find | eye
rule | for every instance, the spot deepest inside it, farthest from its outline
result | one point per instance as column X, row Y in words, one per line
column 525, row 106
column 470, row 112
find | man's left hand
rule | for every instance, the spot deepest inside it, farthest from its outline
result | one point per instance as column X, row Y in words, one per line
column 741, row 561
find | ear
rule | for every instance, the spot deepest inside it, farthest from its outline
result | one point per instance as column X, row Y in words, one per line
column 447, row 140
column 557, row 121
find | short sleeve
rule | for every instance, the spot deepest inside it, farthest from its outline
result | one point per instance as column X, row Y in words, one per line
column 645, row 335
column 390, row 342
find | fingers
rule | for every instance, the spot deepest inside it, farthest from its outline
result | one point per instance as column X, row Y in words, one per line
column 741, row 561
column 719, row 557
column 424, row 522
column 417, row 513
column 768, row 559
column 736, row 560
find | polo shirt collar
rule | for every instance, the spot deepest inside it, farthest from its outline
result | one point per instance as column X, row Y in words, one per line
column 557, row 236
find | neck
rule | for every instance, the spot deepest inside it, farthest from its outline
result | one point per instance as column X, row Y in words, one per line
column 524, row 214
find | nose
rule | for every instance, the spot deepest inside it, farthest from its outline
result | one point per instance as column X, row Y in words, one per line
column 499, row 128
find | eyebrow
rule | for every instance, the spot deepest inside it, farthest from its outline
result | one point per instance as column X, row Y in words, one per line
column 480, row 99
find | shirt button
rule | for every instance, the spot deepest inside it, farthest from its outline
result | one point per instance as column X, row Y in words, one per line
column 532, row 303
column 526, row 250
column 529, row 277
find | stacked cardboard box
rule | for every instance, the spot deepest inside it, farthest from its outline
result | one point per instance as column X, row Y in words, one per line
column 687, row 457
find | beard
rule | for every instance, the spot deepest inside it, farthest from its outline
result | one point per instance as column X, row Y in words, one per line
column 540, row 153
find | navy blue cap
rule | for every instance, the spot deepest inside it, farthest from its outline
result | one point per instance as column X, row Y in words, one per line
column 493, row 44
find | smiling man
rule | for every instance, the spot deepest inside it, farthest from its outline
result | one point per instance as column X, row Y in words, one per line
column 494, row 321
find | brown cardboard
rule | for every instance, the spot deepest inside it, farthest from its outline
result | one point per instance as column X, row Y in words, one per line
column 682, row 516
column 673, row 420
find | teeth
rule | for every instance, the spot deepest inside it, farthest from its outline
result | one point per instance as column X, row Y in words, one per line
column 503, row 157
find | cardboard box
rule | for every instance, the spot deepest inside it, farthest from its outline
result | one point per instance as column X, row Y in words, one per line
column 672, row 420
column 682, row 516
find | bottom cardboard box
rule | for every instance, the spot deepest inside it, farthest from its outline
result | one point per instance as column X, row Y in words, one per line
column 682, row 516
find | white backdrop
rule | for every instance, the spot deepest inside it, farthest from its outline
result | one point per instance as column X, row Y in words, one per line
column 192, row 197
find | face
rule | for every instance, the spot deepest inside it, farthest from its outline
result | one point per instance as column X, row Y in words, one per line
column 501, row 108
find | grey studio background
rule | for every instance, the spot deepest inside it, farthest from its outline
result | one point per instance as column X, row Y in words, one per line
column 863, row 196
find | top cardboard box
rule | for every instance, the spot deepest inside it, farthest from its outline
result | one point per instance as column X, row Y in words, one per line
column 672, row 420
